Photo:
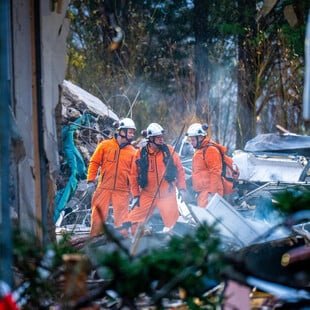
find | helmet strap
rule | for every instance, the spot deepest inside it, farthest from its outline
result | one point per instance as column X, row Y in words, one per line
column 198, row 145
column 152, row 140
column 124, row 136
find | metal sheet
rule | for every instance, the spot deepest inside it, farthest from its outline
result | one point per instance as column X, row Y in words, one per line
column 267, row 168
column 229, row 222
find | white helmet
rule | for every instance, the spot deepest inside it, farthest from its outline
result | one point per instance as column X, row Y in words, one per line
column 126, row 123
column 154, row 129
column 197, row 129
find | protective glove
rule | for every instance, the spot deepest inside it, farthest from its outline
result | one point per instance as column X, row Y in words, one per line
column 91, row 187
column 135, row 202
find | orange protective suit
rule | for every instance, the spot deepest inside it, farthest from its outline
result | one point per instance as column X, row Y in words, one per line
column 158, row 192
column 114, row 163
column 207, row 171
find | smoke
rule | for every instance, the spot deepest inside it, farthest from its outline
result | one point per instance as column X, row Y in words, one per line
column 266, row 219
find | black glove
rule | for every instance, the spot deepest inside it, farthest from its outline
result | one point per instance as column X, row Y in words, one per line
column 135, row 202
column 91, row 187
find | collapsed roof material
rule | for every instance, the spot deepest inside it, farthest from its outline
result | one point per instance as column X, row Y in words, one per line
column 93, row 103
column 284, row 143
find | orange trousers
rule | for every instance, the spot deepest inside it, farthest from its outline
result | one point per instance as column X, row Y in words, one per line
column 101, row 201
column 167, row 207
column 202, row 199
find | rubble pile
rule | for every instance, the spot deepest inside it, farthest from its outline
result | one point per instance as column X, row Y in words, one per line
column 246, row 220
column 85, row 121
column 77, row 102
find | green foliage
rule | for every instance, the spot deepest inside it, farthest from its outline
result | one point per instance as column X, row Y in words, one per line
column 37, row 268
column 295, row 38
column 172, row 53
column 77, row 59
column 190, row 264
column 293, row 200
column 231, row 29
column 156, row 58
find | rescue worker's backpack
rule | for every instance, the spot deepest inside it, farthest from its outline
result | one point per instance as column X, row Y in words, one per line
column 230, row 171
column 143, row 164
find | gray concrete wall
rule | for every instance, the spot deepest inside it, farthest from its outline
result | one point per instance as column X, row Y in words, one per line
column 22, row 107
column 54, row 29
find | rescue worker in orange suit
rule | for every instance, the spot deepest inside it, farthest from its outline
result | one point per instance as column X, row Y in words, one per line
column 113, row 158
column 156, row 172
column 206, row 164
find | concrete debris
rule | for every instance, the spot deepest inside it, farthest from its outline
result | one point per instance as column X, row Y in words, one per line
column 85, row 121
column 242, row 217
column 82, row 98
column 246, row 220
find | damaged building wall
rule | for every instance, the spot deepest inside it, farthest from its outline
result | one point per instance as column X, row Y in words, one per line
column 39, row 34
column 55, row 28
column 22, row 108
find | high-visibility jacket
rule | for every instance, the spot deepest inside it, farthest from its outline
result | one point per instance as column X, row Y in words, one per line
column 207, row 168
column 156, row 182
column 114, row 163
column 158, row 192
